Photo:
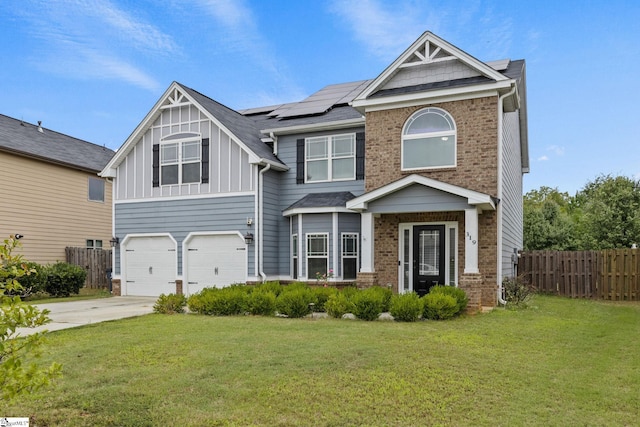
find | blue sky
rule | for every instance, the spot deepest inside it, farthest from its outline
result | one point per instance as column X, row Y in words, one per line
column 93, row 69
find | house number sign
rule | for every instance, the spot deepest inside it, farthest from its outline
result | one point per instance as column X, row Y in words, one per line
column 473, row 241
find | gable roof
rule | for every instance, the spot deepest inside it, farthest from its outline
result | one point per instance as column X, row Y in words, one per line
column 27, row 140
column 474, row 198
column 320, row 202
column 242, row 130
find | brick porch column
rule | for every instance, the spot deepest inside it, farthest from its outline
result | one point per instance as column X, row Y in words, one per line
column 116, row 289
column 472, row 284
column 179, row 287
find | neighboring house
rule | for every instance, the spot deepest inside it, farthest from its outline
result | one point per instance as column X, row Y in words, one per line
column 51, row 192
column 410, row 179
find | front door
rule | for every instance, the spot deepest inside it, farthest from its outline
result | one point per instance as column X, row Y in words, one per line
column 428, row 257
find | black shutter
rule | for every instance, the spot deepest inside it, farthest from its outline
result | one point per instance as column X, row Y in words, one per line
column 156, row 165
column 300, row 161
column 205, row 160
column 360, row 155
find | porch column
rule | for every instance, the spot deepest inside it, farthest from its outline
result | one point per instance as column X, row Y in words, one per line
column 367, row 230
column 471, row 241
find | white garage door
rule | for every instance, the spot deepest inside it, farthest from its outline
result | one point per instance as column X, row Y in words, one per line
column 214, row 260
column 150, row 266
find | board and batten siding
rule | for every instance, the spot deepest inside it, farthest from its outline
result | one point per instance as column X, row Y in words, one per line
column 184, row 216
column 49, row 204
column 229, row 167
column 511, row 201
column 272, row 223
column 290, row 192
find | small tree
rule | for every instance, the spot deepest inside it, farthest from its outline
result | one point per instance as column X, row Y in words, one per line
column 16, row 376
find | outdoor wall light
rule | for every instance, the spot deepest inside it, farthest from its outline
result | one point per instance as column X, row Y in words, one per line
column 114, row 241
column 248, row 238
column 18, row 236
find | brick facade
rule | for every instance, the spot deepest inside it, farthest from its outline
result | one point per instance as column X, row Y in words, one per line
column 477, row 123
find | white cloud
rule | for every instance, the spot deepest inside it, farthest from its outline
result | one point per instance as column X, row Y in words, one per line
column 543, row 158
column 557, row 150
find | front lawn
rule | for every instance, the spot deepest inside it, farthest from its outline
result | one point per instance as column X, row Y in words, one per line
column 560, row 362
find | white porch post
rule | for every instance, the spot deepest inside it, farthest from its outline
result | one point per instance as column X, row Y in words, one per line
column 367, row 229
column 471, row 241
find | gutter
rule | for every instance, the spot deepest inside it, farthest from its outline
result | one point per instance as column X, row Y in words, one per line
column 261, row 221
column 499, row 206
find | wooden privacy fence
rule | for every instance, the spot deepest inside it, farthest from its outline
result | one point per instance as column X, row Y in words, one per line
column 95, row 261
column 612, row 274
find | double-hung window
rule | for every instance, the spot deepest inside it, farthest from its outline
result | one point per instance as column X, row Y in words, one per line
column 96, row 189
column 330, row 158
column 349, row 256
column 429, row 140
column 317, row 254
column 180, row 162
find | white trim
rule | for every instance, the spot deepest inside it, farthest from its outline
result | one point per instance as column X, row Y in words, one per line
column 331, row 209
column 335, row 245
column 185, row 197
column 325, row 126
column 482, row 201
column 307, row 257
column 300, row 249
column 367, row 257
column 342, row 255
column 444, row 134
column 429, row 38
column 330, row 157
column 448, row 225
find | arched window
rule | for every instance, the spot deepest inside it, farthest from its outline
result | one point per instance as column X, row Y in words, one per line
column 429, row 140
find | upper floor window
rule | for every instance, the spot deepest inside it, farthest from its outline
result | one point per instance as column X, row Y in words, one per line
column 96, row 189
column 330, row 158
column 429, row 140
column 180, row 162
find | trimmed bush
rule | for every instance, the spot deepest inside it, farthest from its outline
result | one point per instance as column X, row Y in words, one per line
column 406, row 307
column 274, row 287
column 228, row 301
column 321, row 295
column 439, row 306
column 64, row 279
column 261, row 302
column 339, row 304
column 32, row 283
column 170, row 304
column 294, row 302
column 368, row 304
column 385, row 295
column 461, row 296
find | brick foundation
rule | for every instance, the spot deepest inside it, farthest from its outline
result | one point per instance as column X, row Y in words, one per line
column 116, row 285
column 179, row 287
column 472, row 284
column 366, row 280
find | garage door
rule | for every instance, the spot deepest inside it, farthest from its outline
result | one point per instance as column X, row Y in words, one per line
column 150, row 266
column 215, row 260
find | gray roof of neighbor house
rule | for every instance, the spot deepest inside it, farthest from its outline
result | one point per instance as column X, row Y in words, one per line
column 242, row 127
column 25, row 139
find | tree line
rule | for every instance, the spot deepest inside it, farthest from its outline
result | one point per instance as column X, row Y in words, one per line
column 604, row 214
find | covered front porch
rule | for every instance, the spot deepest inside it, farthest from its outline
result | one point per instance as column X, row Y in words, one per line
column 418, row 232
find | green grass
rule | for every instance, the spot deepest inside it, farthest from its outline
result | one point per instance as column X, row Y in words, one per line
column 84, row 294
column 560, row 362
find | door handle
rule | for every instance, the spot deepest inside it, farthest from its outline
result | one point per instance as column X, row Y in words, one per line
column 215, row 270
column 151, row 270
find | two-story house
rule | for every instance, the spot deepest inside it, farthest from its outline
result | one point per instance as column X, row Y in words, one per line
column 51, row 192
column 407, row 180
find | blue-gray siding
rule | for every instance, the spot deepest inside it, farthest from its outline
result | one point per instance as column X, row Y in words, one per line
column 511, row 200
column 418, row 198
column 274, row 225
column 181, row 217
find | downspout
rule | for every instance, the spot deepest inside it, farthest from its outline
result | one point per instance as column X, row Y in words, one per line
column 275, row 143
column 499, row 206
column 261, row 221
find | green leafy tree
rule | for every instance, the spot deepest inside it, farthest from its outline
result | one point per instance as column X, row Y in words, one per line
column 19, row 373
column 610, row 209
column 549, row 220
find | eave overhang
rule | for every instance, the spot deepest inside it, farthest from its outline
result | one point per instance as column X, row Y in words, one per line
column 313, row 127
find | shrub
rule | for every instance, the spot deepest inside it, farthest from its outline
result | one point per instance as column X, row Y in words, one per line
column 517, row 292
column 368, row 304
column 321, row 295
column 385, row 294
column 261, row 302
column 64, row 279
column 339, row 304
column 295, row 302
column 228, row 301
column 274, row 287
column 439, row 306
column 33, row 282
column 461, row 296
column 170, row 304
column 406, row 307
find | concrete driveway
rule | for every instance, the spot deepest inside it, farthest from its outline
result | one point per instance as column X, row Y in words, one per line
column 84, row 312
